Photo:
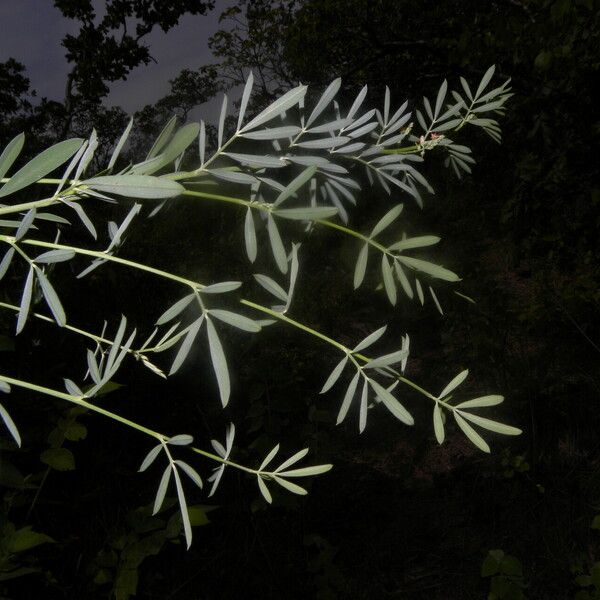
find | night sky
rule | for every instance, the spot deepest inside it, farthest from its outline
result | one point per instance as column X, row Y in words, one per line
column 31, row 32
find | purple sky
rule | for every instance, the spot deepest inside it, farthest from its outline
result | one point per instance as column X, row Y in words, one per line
column 31, row 32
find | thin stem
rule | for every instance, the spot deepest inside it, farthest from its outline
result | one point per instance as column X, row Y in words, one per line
column 114, row 416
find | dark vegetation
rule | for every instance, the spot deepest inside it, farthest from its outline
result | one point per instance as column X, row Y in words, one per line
column 398, row 517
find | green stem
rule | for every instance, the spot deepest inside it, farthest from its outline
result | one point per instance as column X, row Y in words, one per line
column 114, row 416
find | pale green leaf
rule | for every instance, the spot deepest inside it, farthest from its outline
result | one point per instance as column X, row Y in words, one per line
column 150, row 457
column 264, row 490
column 306, row 471
column 454, row 383
column 162, row 138
column 186, row 345
column 388, row 280
column 348, row 397
column 10, row 424
column 236, row 320
column 40, row 166
column 295, row 185
column 269, row 458
column 491, row 425
column 334, row 375
column 162, row 489
column 222, row 287
column 136, row 186
column 438, row 424
column 309, row 213
column 361, row 266
column 190, row 472
column 370, row 339
column 25, row 301
column 280, row 105
column 11, row 153
column 175, row 310
column 292, row 460
column 277, row 245
column 387, row 220
column 250, row 236
column 471, row 434
column 291, row 487
column 183, row 439
column 391, row 403
column 429, row 268
column 219, row 362
column 482, row 401
column 52, row 299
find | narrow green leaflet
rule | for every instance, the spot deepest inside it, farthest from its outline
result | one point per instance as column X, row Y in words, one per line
column 370, row 339
column 436, row 301
column 361, row 266
column 416, row 242
column 162, row 138
column 292, row 460
column 52, row 299
column 219, row 362
column 491, row 400
column 490, row 425
column 334, row 375
column 280, row 105
column 182, row 439
column 454, row 383
column 310, row 213
column 348, row 397
column 269, row 458
column 392, row 403
column 245, row 97
column 264, row 490
column 26, row 223
column 40, row 166
column 429, row 268
column 295, row 185
column 222, row 116
column 471, row 434
column 236, row 320
column 277, row 248
column 150, row 457
column 10, row 424
column 119, row 146
column 271, row 286
column 162, row 489
column 186, row 345
column 290, row 487
column 275, row 133
column 388, row 280
column 136, row 186
column 185, row 517
column 256, row 162
column 25, row 301
column 387, row 220
column 403, row 280
column 190, row 472
column 485, row 80
column 178, row 144
column 5, row 262
column 223, row 287
column 175, row 310
column 250, row 236
column 324, row 101
column 387, row 359
column 441, row 96
column 54, row 256
column 419, row 289
column 438, row 424
column 11, row 153
column 306, row 471
column 364, row 405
